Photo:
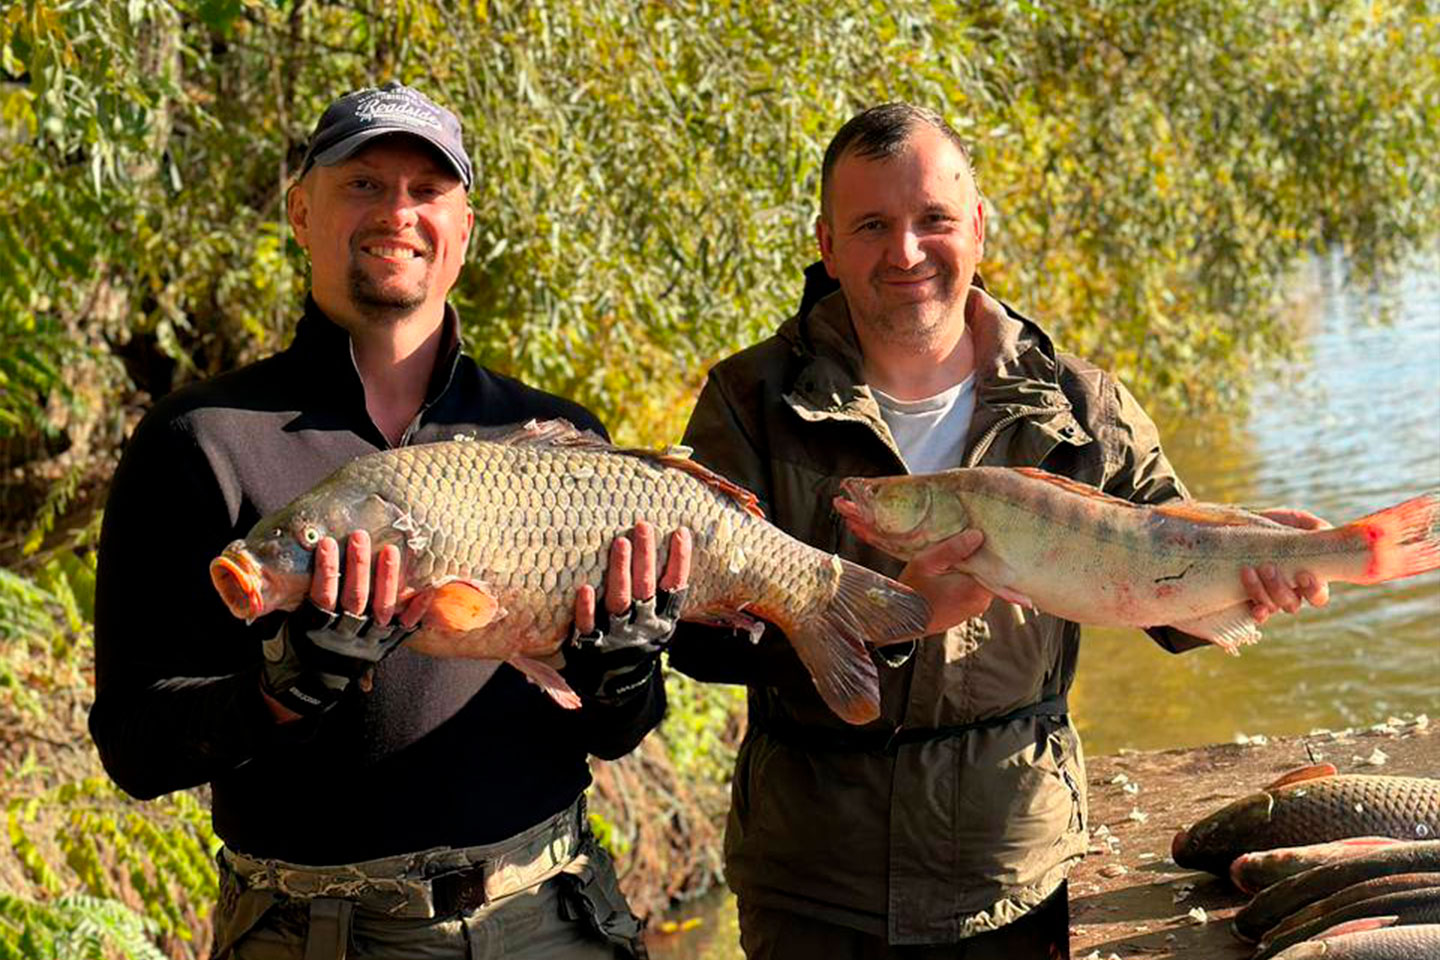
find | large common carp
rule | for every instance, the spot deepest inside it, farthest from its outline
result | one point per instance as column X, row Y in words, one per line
column 1311, row 805
column 1066, row 548
column 1273, row 904
column 1419, row 942
column 502, row 530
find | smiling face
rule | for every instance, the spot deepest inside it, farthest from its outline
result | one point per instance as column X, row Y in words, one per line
column 386, row 231
column 903, row 235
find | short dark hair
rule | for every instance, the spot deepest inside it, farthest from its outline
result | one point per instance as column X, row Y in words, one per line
column 879, row 132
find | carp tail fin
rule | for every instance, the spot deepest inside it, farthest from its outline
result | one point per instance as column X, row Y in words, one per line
column 1404, row 539
column 864, row 608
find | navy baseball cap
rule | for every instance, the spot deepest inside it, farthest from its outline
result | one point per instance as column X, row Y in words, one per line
column 359, row 117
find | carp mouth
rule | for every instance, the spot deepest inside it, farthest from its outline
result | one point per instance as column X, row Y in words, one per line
column 239, row 581
column 869, row 503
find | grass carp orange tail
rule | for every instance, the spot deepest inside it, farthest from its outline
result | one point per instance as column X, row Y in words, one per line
column 1404, row 540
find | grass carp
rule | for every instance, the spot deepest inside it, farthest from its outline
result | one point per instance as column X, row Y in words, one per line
column 1273, row 904
column 1066, row 548
column 1392, row 943
column 1368, row 890
column 1311, row 805
column 502, row 530
column 1388, row 910
column 1253, row 872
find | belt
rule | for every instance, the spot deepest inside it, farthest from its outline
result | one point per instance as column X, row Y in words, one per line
column 889, row 741
column 430, row 883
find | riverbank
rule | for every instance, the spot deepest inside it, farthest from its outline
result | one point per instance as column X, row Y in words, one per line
column 1128, row 898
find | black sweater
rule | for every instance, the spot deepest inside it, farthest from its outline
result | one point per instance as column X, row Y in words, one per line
column 428, row 758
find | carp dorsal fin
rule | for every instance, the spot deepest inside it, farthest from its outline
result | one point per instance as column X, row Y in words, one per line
column 678, row 458
column 1313, row 772
column 1073, row 486
column 564, row 433
column 558, row 432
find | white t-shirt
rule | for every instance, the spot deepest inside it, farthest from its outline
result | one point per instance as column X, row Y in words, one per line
column 930, row 432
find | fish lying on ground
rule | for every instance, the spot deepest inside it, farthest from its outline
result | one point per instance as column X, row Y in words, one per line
column 1253, row 872
column 1066, row 548
column 1391, row 909
column 1418, row 942
column 1311, row 805
column 1369, row 889
column 502, row 530
column 1273, row 904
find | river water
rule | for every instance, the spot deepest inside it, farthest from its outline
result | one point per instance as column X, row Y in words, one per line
column 1352, row 427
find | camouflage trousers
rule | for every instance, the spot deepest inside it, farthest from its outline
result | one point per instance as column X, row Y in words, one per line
column 548, row 892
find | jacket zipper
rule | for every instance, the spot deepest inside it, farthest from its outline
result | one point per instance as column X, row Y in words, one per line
column 988, row 437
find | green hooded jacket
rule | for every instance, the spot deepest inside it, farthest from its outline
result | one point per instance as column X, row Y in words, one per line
column 925, row 837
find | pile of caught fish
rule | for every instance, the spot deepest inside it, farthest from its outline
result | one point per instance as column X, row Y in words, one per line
column 1343, row 867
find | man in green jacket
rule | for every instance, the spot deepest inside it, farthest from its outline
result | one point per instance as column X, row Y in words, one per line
column 947, row 826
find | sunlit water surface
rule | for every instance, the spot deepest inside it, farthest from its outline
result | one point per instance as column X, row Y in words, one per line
column 1350, row 429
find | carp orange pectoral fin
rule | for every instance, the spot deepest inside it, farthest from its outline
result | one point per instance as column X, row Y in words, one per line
column 547, row 678
column 461, row 606
column 1312, row 772
column 1229, row 628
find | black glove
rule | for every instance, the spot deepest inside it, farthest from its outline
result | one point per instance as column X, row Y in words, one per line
column 318, row 654
column 616, row 659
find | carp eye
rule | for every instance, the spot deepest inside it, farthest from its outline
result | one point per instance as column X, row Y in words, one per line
column 310, row 535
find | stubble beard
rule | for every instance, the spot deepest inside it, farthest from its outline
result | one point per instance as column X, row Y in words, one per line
column 916, row 327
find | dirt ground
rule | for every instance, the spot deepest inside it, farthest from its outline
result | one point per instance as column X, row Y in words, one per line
column 1129, row 899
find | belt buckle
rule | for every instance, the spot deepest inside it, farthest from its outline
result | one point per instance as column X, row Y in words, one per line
column 459, row 891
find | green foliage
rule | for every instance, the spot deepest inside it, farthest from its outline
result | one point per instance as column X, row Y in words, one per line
column 700, row 730
column 89, row 871
column 648, row 172
column 1172, row 162
column 75, row 927
column 156, row 858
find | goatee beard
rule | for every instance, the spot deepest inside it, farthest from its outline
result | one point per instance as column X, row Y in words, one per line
column 376, row 304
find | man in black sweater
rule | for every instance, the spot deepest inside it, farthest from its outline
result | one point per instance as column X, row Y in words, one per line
column 389, row 802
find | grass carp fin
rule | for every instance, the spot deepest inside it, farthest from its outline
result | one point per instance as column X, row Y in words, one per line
column 1404, row 540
